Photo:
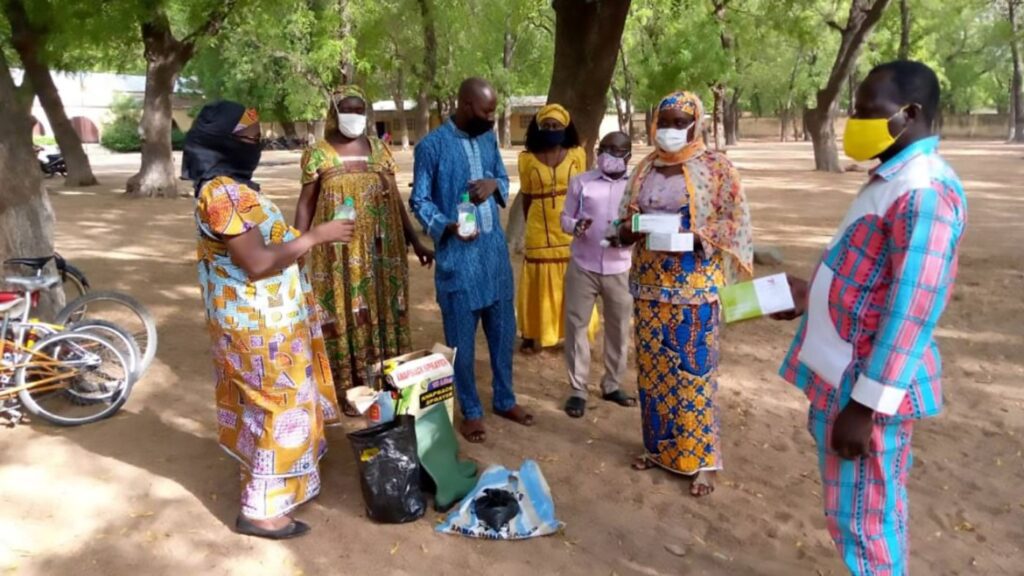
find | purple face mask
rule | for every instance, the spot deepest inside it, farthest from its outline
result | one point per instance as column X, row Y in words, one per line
column 610, row 165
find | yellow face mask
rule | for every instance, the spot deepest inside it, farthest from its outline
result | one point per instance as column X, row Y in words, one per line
column 865, row 138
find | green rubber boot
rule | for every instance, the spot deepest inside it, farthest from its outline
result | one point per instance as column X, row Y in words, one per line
column 438, row 449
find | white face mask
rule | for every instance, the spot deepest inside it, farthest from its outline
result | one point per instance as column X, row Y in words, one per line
column 352, row 125
column 672, row 140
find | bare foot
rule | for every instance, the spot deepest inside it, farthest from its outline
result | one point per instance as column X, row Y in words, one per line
column 517, row 415
column 473, row 430
column 642, row 463
column 703, row 484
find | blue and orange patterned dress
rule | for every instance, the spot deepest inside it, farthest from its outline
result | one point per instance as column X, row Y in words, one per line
column 676, row 321
column 274, row 389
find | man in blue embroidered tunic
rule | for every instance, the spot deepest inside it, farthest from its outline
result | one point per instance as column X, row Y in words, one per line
column 473, row 276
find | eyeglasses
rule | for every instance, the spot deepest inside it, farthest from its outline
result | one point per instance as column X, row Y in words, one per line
column 617, row 152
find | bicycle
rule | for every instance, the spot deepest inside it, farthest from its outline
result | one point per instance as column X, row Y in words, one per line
column 62, row 370
column 75, row 282
column 83, row 303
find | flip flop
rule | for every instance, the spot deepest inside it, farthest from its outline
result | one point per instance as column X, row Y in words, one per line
column 294, row 529
column 621, row 398
column 517, row 415
column 701, row 487
column 476, row 435
column 575, row 407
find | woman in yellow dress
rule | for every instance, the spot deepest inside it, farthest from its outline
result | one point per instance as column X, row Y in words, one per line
column 349, row 165
column 553, row 156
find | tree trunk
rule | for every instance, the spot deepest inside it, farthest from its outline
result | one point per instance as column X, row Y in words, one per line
column 904, row 51
column 864, row 15
column 346, row 66
column 1017, row 99
column 732, row 119
column 627, row 92
column 648, row 122
column 26, row 216
column 399, row 97
column 165, row 57
column 620, row 109
column 289, row 129
column 505, row 119
column 428, row 81
column 783, row 123
column 28, row 42
column 718, row 116
column 820, row 126
column 587, row 37
column 157, row 178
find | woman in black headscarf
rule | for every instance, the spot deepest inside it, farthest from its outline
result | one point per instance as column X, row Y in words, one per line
column 274, row 387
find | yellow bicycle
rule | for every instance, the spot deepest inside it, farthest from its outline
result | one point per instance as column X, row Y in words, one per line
column 66, row 377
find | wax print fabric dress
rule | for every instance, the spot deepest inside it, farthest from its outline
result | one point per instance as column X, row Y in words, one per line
column 676, row 304
column 343, row 276
column 274, row 391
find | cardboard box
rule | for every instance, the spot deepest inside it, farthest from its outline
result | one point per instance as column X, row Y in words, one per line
column 657, row 223
column 424, row 379
column 756, row 298
column 675, row 242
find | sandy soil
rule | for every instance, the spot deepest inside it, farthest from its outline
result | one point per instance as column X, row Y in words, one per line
column 149, row 491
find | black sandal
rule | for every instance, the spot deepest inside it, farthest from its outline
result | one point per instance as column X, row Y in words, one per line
column 621, row 398
column 575, row 407
column 294, row 529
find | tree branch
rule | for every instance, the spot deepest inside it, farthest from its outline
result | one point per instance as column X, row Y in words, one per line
column 212, row 25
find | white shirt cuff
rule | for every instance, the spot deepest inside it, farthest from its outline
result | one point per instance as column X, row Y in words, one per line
column 878, row 396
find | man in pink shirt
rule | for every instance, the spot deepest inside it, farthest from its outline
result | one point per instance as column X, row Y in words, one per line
column 599, row 267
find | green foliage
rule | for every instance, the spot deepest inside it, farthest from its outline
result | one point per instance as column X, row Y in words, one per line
column 121, row 136
column 121, row 133
column 44, row 140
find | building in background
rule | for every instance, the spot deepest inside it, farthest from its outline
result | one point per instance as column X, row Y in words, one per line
column 88, row 97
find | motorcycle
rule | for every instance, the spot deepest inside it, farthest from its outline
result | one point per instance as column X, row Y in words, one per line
column 51, row 164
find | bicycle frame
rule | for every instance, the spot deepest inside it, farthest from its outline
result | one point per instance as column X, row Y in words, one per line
column 26, row 358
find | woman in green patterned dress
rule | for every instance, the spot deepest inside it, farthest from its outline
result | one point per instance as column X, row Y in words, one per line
column 348, row 164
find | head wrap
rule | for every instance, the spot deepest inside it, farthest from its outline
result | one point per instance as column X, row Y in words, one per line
column 718, row 207
column 340, row 93
column 249, row 117
column 688, row 103
column 212, row 150
column 554, row 112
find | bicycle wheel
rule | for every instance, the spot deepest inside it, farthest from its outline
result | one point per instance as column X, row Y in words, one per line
column 120, row 309
column 73, row 379
column 117, row 336
column 75, row 283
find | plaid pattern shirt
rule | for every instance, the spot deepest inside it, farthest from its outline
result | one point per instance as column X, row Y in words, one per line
column 878, row 292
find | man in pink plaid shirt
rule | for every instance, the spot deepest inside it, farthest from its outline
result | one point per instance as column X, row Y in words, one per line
column 865, row 353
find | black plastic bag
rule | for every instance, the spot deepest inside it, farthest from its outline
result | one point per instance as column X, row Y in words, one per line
column 389, row 471
column 496, row 508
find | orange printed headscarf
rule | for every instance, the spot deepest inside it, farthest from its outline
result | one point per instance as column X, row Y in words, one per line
column 688, row 103
column 719, row 213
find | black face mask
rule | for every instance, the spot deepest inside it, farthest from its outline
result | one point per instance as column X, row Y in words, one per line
column 551, row 138
column 479, row 126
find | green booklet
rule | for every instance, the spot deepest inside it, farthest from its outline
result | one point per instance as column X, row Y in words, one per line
column 759, row 297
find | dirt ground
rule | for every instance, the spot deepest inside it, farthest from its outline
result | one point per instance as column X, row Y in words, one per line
column 150, row 492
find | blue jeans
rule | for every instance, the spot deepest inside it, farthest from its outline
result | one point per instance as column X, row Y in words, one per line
column 460, row 323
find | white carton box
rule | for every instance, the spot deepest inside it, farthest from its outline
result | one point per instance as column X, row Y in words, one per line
column 675, row 242
column 423, row 379
column 656, row 223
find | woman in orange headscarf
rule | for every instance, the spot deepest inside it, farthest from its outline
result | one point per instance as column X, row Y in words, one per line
column 553, row 156
column 676, row 306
